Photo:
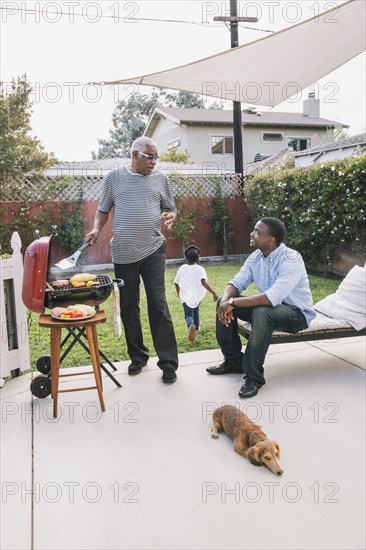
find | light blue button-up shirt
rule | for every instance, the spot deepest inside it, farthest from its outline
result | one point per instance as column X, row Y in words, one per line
column 281, row 276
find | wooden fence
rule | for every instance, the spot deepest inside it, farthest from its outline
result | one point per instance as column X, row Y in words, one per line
column 195, row 193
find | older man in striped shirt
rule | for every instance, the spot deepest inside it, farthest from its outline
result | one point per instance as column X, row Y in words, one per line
column 141, row 200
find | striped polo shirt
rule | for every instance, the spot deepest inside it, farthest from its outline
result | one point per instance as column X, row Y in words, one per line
column 138, row 202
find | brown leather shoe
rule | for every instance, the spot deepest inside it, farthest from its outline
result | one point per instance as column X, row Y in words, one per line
column 227, row 367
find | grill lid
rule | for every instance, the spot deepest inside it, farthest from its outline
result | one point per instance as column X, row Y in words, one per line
column 35, row 273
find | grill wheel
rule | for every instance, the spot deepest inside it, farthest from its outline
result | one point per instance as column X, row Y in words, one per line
column 41, row 386
column 44, row 364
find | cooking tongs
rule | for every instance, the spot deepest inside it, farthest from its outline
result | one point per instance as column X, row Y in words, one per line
column 71, row 261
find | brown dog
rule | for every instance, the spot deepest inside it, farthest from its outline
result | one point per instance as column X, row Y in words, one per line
column 249, row 440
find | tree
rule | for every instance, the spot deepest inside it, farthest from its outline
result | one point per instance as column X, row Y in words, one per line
column 129, row 120
column 23, row 155
column 218, row 105
column 131, row 116
column 175, row 156
column 183, row 100
column 336, row 133
column 19, row 152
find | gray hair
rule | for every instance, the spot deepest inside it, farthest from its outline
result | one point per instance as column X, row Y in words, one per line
column 140, row 143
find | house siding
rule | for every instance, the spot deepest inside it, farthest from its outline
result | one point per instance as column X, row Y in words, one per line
column 253, row 141
column 167, row 131
column 196, row 139
column 199, row 145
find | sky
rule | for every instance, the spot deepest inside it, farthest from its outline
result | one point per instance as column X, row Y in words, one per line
column 63, row 46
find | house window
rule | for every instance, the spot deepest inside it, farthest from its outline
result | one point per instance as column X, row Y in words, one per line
column 272, row 136
column 298, row 144
column 222, row 145
column 173, row 144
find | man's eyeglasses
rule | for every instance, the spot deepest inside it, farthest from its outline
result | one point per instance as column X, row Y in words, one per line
column 149, row 157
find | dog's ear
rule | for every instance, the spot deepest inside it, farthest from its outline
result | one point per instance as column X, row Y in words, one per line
column 277, row 448
column 250, row 439
column 253, row 455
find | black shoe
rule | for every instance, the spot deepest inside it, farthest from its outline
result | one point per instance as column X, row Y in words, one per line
column 250, row 388
column 226, row 367
column 136, row 367
column 169, row 376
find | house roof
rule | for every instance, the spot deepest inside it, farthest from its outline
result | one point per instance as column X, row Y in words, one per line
column 272, row 162
column 87, row 168
column 353, row 141
column 225, row 117
column 101, row 167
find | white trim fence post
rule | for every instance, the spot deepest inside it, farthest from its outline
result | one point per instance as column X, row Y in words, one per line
column 14, row 349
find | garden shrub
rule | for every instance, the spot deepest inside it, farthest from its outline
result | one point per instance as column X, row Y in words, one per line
column 62, row 219
column 220, row 221
column 322, row 207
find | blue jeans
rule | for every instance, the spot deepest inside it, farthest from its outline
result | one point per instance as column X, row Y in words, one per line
column 264, row 320
column 192, row 315
column 152, row 272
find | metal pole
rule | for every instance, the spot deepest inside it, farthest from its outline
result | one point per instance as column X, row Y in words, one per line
column 238, row 139
column 237, row 121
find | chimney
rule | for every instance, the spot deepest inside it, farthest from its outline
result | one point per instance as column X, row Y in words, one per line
column 312, row 106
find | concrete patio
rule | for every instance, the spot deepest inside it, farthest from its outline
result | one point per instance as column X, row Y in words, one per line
column 147, row 475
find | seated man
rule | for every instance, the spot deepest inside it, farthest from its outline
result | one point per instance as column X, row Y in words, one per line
column 284, row 303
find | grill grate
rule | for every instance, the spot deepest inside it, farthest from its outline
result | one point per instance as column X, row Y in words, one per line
column 92, row 295
column 103, row 280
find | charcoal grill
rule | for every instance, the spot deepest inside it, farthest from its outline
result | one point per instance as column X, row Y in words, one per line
column 37, row 280
column 91, row 296
column 38, row 295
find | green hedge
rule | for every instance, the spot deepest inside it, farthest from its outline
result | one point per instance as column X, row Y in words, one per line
column 323, row 207
column 64, row 220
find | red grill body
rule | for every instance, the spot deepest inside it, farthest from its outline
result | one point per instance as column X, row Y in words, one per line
column 37, row 295
column 35, row 274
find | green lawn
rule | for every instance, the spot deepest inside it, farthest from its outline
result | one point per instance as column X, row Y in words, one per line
column 218, row 277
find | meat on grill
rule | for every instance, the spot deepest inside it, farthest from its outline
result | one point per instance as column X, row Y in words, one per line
column 61, row 283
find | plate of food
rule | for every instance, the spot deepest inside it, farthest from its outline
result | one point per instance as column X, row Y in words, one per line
column 79, row 312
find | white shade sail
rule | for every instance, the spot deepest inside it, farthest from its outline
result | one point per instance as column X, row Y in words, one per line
column 273, row 69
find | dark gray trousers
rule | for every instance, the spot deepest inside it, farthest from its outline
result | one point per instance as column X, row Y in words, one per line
column 264, row 320
column 152, row 272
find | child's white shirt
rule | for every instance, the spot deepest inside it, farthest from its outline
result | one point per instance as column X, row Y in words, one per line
column 189, row 279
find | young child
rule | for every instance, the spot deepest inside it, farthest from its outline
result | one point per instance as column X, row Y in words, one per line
column 191, row 285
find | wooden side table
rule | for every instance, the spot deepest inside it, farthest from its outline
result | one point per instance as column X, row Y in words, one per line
column 47, row 321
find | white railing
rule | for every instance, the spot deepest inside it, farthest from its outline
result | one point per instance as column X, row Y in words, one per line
column 14, row 349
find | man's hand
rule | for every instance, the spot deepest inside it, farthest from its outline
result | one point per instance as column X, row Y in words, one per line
column 99, row 222
column 92, row 236
column 168, row 218
column 225, row 313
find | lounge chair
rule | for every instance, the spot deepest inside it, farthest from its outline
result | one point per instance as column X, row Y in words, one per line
column 340, row 315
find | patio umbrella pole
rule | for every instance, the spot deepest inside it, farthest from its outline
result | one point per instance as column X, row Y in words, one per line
column 237, row 121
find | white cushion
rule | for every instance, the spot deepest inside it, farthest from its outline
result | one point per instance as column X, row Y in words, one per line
column 348, row 303
column 321, row 323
